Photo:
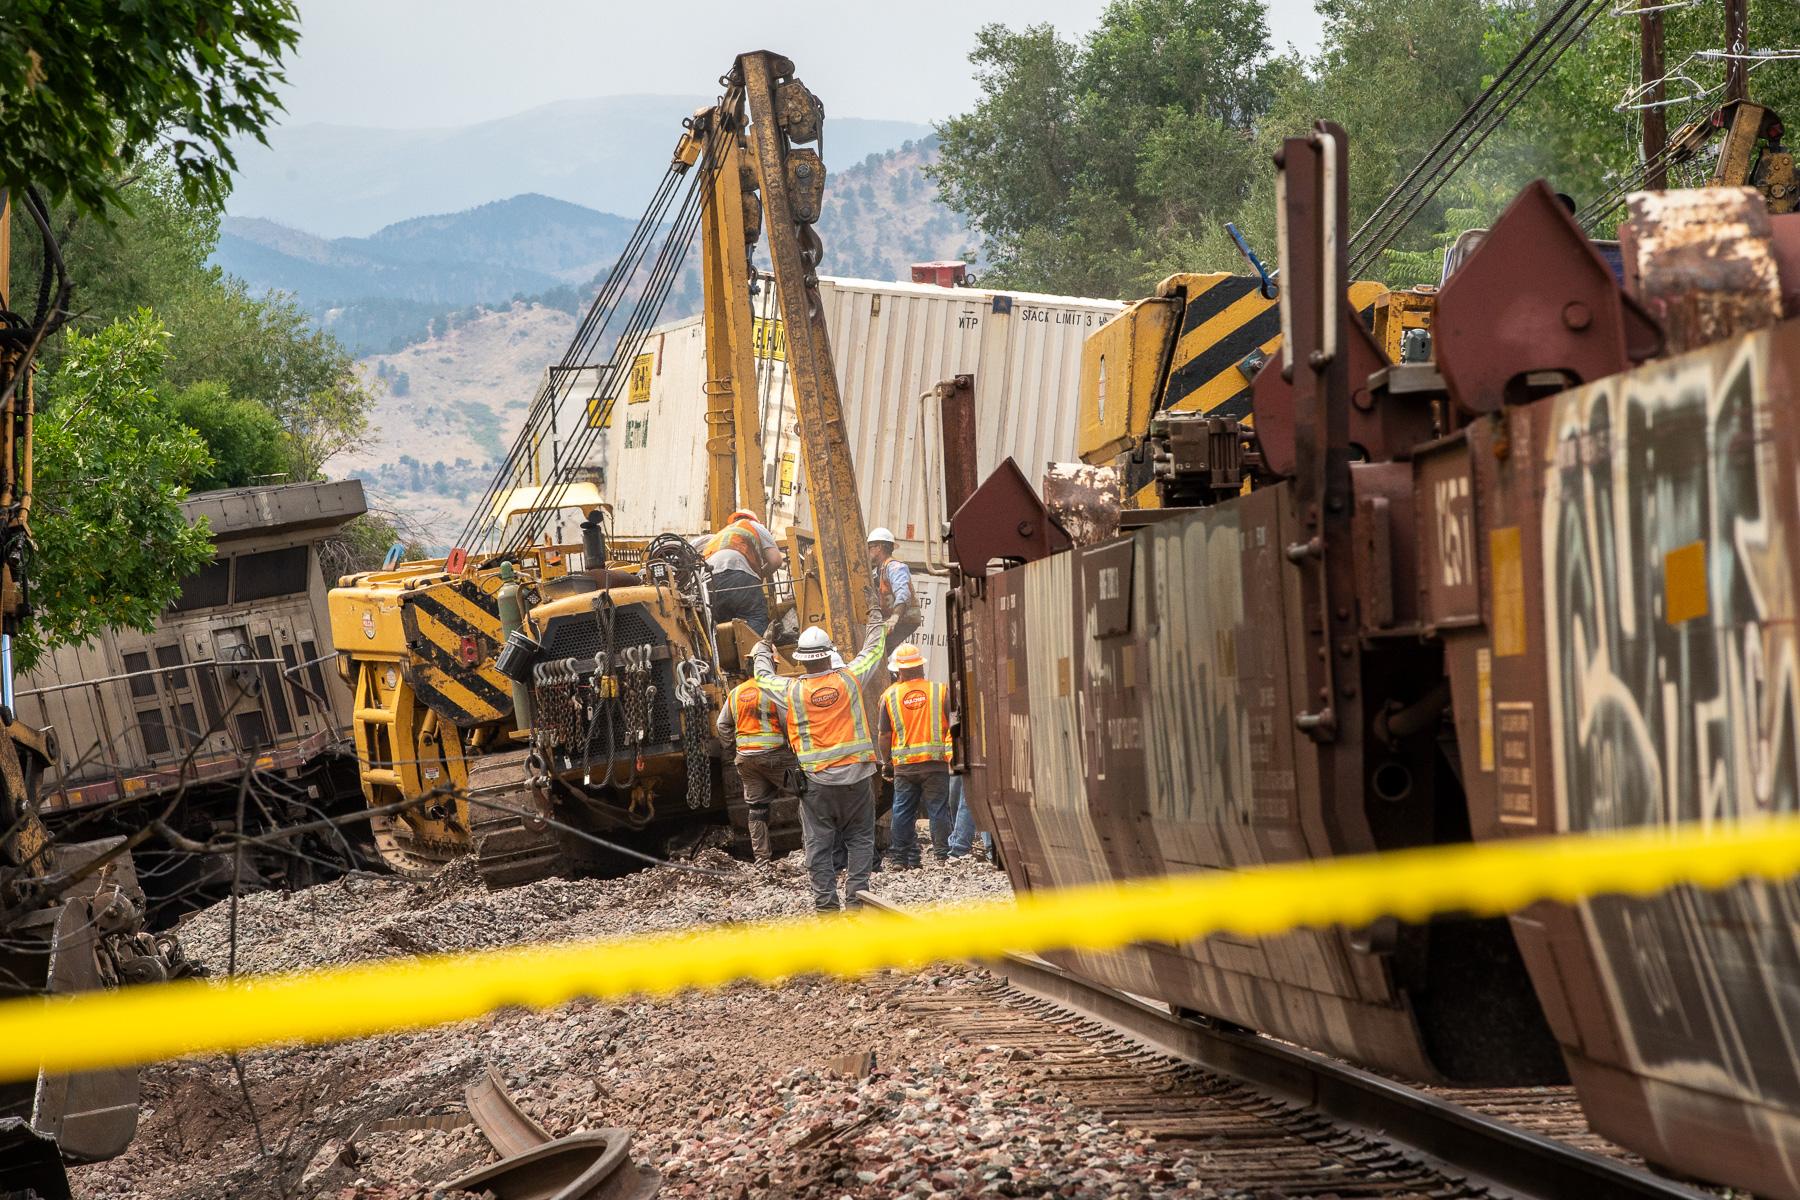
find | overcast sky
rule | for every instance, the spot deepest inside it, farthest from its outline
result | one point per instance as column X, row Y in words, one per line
column 420, row 63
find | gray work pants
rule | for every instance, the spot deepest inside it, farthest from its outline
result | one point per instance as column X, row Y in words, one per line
column 833, row 813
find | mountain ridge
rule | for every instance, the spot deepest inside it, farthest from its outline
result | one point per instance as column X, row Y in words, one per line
column 603, row 152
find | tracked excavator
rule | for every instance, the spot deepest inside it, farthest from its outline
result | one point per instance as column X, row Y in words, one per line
column 546, row 706
column 71, row 913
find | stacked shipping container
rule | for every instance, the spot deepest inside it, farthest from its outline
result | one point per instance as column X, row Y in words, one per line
column 891, row 343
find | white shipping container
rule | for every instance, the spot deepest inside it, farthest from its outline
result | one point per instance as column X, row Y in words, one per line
column 891, row 342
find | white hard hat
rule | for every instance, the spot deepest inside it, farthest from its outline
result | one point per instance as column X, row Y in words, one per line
column 881, row 533
column 815, row 645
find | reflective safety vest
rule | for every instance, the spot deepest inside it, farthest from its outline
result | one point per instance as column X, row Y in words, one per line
column 740, row 537
column 919, row 712
column 827, row 723
column 756, row 719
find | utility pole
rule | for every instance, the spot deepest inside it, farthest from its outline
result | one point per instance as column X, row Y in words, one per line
column 1656, row 120
column 1737, row 41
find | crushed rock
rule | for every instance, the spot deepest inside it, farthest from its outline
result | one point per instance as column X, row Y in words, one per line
column 728, row 1092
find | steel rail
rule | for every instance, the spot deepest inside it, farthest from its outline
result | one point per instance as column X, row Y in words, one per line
column 1491, row 1152
column 509, row 1128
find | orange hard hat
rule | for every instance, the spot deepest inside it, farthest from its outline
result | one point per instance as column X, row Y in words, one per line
column 906, row 657
column 743, row 514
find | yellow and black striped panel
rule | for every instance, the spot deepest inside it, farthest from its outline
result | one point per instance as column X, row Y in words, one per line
column 1225, row 321
column 447, row 625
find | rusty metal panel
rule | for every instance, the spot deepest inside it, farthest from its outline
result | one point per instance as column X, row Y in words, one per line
column 1138, row 718
column 1449, row 578
column 1700, row 260
column 1669, row 575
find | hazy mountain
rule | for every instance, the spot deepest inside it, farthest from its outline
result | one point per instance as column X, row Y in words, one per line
column 463, row 391
column 525, row 244
column 882, row 214
column 605, row 153
column 383, row 291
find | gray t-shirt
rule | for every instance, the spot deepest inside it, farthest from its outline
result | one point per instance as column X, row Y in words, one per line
column 732, row 560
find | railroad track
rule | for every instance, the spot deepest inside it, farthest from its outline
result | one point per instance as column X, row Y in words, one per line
column 1268, row 1118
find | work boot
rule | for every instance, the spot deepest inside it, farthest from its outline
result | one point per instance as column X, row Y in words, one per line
column 759, row 841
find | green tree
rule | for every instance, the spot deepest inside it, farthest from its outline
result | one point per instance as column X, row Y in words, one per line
column 112, row 465
column 245, row 441
column 260, row 349
column 1082, row 160
column 87, row 84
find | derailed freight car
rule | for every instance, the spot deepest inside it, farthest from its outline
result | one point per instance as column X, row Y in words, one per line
column 235, row 676
column 1462, row 599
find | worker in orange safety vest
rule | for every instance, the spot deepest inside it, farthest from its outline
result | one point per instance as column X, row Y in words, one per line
column 914, row 745
column 829, row 731
column 741, row 555
column 750, row 723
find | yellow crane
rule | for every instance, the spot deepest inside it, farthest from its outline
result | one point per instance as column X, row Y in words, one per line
column 597, row 713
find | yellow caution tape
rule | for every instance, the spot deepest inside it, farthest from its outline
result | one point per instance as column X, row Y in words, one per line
column 160, row 1021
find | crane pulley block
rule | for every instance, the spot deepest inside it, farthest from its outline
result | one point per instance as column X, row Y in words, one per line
column 806, row 185
column 799, row 113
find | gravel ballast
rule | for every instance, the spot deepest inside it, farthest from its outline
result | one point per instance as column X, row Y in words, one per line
column 740, row 1092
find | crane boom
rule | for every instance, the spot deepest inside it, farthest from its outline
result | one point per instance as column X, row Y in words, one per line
column 792, row 181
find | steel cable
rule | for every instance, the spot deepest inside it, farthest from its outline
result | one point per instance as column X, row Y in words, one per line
column 1526, row 69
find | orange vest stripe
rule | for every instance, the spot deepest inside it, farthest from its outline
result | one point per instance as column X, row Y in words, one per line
column 758, row 724
column 919, row 712
column 827, row 725
column 740, row 537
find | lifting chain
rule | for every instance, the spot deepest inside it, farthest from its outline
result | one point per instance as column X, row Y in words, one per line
column 690, row 678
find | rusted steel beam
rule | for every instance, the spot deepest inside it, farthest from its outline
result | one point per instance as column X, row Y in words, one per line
column 956, row 414
column 841, row 551
column 1702, row 263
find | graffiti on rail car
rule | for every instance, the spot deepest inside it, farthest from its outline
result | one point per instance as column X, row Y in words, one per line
column 1669, row 513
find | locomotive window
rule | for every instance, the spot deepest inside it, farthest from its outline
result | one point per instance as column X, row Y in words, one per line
column 170, row 656
column 210, row 586
column 150, row 728
column 271, row 681
column 141, row 685
column 252, row 730
column 271, row 573
column 293, row 677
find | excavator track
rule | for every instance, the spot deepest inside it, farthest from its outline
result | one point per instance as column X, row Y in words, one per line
column 508, row 852
column 407, row 855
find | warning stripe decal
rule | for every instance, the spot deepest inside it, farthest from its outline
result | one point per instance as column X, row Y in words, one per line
column 435, row 632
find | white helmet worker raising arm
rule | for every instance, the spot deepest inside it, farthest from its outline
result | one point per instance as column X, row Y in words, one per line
column 826, row 718
column 893, row 583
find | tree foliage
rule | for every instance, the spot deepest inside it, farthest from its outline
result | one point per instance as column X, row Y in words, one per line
column 86, row 85
column 261, row 349
column 1082, row 158
column 112, row 465
column 1099, row 166
column 243, row 439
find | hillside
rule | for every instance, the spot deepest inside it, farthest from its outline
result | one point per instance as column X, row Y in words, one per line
column 882, row 215
column 457, row 398
column 381, row 292
column 450, row 407
column 605, row 153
